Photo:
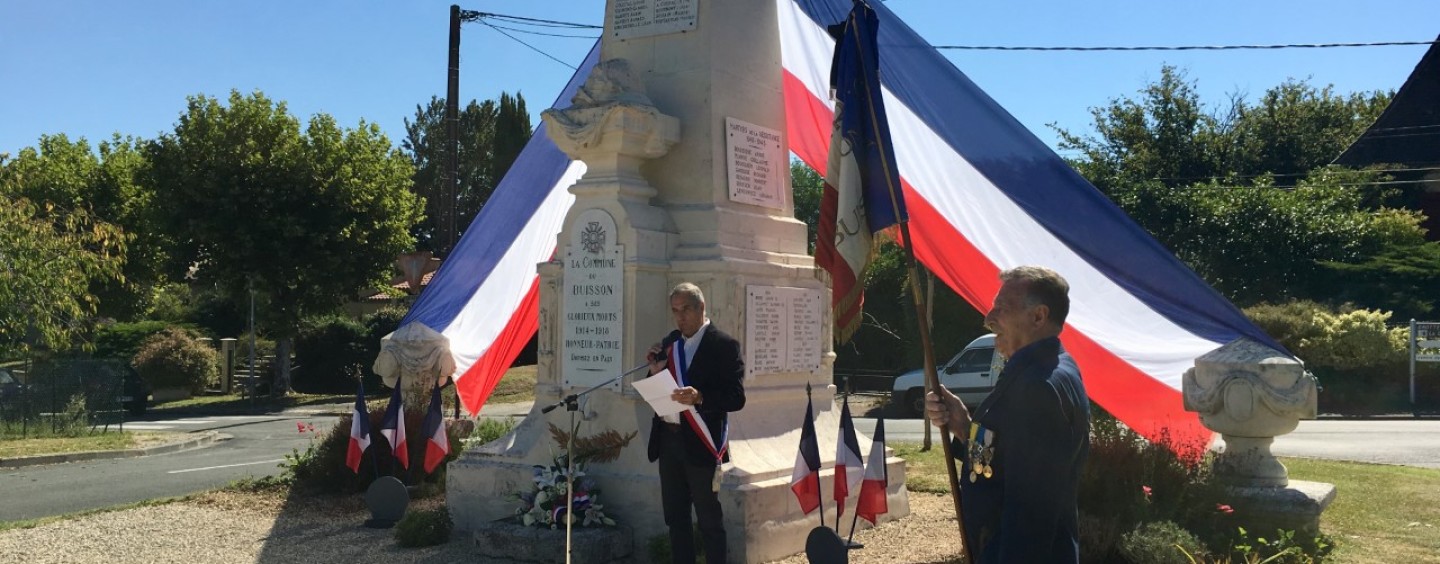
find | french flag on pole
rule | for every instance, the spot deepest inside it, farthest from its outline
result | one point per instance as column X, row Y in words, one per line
column 805, row 480
column 848, row 470
column 393, row 426
column 872, row 502
column 437, row 447
column 359, row 432
column 983, row 194
column 857, row 200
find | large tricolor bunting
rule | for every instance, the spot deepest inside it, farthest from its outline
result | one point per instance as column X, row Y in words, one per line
column 984, row 194
column 486, row 296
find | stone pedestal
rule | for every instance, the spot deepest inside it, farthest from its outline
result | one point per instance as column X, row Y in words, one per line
column 511, row 542
column 656, row 208
column 1250, row 394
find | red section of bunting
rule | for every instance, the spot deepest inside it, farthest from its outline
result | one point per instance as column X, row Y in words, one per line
column 479, row 381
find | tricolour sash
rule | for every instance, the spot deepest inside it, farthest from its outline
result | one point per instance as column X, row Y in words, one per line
column 692, row 417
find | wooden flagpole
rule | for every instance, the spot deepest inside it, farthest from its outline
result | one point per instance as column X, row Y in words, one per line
column 932, row 379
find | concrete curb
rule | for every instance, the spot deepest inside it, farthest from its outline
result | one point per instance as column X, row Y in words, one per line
column 202, row 439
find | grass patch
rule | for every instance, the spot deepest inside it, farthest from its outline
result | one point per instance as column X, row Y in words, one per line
column 234, row 403
column 1381, row 513
column 517, row 385
column 12, row 448
column 924, row 471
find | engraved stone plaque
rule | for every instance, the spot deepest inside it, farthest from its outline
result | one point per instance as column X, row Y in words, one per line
column 592, row 322
column 755, row 161
column 783, row 328
column 643, row 18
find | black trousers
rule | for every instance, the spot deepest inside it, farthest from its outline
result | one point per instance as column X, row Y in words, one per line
column 683, row 484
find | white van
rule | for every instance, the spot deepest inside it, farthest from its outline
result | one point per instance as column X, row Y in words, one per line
column 971, row 375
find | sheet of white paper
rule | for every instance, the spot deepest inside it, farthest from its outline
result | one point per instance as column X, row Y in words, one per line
column 656, row 391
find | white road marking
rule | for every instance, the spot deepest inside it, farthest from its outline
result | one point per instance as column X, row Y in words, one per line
column 225, row 466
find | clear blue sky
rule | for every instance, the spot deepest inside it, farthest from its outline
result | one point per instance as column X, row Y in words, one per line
column 97, row 67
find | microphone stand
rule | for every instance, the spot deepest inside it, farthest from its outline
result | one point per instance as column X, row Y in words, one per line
column 571, row 403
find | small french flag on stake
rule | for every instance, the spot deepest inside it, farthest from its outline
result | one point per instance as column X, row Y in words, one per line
column 393, row 427
column 871, row 502
column 438, row 445
column 359, row 432
column 805, row 481
column 848, row 470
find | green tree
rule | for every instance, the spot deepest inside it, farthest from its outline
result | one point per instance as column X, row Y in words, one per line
column 491, row 136
column 1244, row 196
column 1168, row 135
column 49, row 258
column 71, row 175
column 302, row 218
column 807, row 186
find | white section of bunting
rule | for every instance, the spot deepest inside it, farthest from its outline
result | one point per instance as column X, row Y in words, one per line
column 982, row 213
column 489, row 309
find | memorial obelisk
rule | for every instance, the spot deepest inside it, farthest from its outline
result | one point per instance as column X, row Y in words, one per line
column 682, row 130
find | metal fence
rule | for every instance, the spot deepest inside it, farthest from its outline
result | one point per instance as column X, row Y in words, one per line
column 67, row 398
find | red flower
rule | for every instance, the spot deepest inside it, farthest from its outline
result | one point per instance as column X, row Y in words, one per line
column 299, row 426
column 310, row 427
column 1147, row 491
column 1226, row 509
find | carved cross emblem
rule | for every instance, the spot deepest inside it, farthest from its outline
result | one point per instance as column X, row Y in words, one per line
column 592, row 239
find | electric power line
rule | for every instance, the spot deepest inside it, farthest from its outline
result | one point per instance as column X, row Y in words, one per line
column 1182, row 47
column 532, row 47
column 542, row 33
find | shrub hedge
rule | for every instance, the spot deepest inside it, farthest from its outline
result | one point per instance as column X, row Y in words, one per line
column 176, row 358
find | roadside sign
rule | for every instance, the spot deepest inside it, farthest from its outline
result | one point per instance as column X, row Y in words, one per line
column 1424, row 347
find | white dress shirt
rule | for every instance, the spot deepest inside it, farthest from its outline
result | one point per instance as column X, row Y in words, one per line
column 690, row 343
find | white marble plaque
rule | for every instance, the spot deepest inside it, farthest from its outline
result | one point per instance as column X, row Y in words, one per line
column 643, row 18
column 783, row 328
column 756, row 164
column 594, row 302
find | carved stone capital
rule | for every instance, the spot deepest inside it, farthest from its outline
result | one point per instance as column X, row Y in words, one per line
column 611, row 114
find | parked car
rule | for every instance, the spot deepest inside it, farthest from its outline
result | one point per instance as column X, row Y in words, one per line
column 9, row 386
column 970, row 374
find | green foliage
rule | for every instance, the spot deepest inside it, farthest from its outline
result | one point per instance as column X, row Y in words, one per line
column 1359, row 361
column 1160, row 542
column 807, row 186
column 1168, row 134
column 331, row 351
column 1332, row 338
column 1258, row 243
column 49, row 258
column 72, row 176
column 492, row 133
column 1282, row 548
column 428, row 527
column 122, row 340
column 491, row 429
column 1128, row 481
column 302, row 217
column 1207, row 183
column 175, row 358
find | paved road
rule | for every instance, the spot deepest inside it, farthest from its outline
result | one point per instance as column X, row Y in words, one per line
column 258, row 445
column 1411, row 442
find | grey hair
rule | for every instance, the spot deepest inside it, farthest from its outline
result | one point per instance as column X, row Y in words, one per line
column 1042, row 286
column 691, row 292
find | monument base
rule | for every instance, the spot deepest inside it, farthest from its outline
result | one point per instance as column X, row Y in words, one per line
column 588, row 545
column 762, row 515
column 1296, row 507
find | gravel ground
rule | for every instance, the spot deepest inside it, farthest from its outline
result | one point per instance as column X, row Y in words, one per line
column 239, row 527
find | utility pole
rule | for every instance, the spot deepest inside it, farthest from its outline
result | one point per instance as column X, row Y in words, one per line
column 452, row 133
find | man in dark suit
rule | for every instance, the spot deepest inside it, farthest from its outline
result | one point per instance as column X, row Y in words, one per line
column 710, row 372
column 1025, row 445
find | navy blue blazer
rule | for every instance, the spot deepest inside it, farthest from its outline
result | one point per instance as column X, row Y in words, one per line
column 1039, row 415
column 718, row 372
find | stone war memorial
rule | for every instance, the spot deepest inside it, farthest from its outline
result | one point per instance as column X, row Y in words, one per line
column 681, row 128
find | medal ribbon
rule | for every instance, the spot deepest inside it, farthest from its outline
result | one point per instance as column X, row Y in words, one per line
column 677, row 362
